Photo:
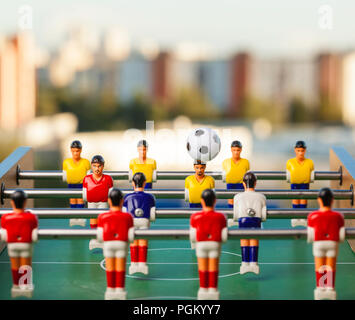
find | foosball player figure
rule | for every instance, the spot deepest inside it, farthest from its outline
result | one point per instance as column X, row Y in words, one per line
column 249, row 210
column 19, row 230
column 300, row 172
column 195, row 184
column 325, row 230
column 74, row 171
column 143, row 164
column 233, row 169
column 115, row 230
column 208, row 229
column 96, row 187
column 141, row 206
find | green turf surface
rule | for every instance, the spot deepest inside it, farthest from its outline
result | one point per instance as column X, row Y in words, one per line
column 66, row 269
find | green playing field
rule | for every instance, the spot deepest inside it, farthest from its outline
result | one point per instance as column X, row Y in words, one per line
column 66, row 269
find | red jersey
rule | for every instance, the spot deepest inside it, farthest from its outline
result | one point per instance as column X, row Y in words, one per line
column 97, row 191
column 19, row 226
column 326, row 224
column 208, row 225
column 115, row 225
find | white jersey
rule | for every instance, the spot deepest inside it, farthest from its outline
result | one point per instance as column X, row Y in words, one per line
column 249, row 204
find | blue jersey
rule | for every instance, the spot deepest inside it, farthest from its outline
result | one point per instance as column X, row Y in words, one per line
column 139, row 203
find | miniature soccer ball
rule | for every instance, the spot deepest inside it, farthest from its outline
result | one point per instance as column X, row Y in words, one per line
column 203, row 144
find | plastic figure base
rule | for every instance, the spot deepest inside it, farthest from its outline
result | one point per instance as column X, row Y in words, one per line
column 138, row 267
column 143, row 268
column 77, row 222
column 115, row 294
column 232, row 223
column 23, row 291
column 325, row 294
column 208, row 294
column 133, row 268
column 299, row 222
column 249, row 267
column 94, row 244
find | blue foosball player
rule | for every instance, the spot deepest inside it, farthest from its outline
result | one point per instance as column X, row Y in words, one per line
column 141, row 205
column 249, row 210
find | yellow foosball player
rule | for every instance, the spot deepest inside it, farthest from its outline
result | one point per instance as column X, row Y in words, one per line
column 74, row 171
column 233, row 170
column 143, row 164
column 196, row 184
column 300, row 172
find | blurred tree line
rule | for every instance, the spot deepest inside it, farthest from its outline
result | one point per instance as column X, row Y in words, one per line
column 296, row 111
column 103, row 111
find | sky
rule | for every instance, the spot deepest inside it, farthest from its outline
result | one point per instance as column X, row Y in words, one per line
column 265, row 27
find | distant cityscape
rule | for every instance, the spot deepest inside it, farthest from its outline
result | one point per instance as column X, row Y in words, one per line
column 160, row 74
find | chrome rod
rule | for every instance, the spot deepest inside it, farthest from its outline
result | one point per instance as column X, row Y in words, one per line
column 69, row 213
column 180, row 193
column 174, row 234
column 177, row 175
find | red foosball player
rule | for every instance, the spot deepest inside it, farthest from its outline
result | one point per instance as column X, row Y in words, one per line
column 96, row 187
column 208, row 229
column 19, row 230
column 325, row 231
column 115, row 229
column 141, row 206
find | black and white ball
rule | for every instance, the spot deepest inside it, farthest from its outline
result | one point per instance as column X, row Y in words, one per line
column 203, row 144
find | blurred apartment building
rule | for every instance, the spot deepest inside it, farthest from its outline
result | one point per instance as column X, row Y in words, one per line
column 226, row 82
column 348, row 84
column 17, row 81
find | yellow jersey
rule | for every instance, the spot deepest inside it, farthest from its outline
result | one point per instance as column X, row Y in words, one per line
column 76, row 171
column 147, row 168
column 300, row 172
column 196, row 188
column 235, row 171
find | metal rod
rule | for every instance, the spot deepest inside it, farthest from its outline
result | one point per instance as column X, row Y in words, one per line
column 48, row 174
column 271, row 234
column 178, row 175
column 180, row 193
column 68, row 213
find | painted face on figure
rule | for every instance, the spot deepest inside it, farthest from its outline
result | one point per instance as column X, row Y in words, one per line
column 300, row 153
column 236, row 151
column 97, row 168
column 200, row 169
column 142, row 151
column 76, row 153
